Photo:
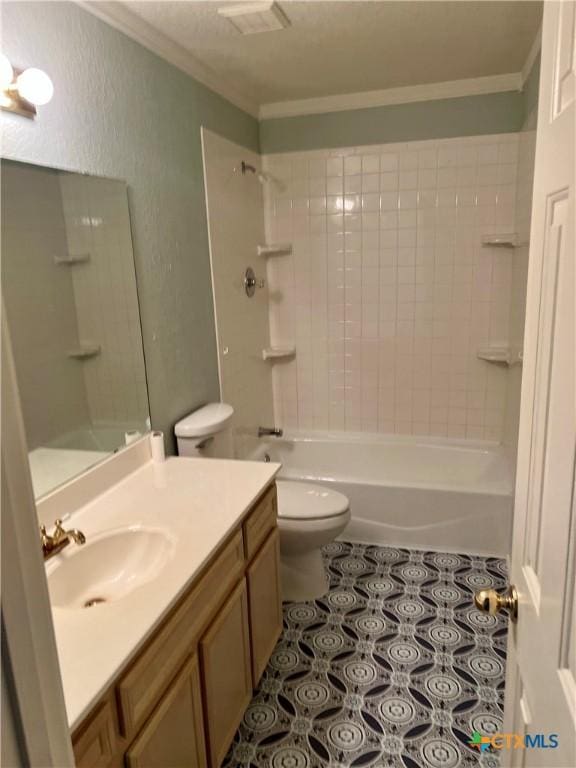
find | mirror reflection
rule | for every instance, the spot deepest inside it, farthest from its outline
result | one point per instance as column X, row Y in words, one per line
column 69, row 290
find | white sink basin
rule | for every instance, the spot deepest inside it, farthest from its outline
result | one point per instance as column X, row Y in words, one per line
column 108, row 567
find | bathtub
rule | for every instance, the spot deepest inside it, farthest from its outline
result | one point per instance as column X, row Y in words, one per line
column 421, row 493
column 74, row 452
column 97, row 437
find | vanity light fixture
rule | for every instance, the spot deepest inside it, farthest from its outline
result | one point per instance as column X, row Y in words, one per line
column 23, row 90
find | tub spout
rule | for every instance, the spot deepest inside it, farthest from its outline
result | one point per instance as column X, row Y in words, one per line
column 270, row 432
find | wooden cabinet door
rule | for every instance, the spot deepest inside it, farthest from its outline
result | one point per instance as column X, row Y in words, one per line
column 174, row 734
column 265, row 603
column 142, row 686
column 94, row 747
column 226, row 673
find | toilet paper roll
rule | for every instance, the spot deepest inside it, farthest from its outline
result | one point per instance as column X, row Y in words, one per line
column 157, row 446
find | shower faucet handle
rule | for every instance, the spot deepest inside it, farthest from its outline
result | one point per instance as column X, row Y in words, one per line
column 251, row 282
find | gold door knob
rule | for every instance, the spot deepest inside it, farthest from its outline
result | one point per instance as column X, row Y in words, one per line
column 490, row 601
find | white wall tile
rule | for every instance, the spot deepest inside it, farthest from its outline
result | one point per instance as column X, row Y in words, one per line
column 409, row 293
column 106, row 298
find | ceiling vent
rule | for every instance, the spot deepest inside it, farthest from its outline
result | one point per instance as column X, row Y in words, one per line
column 252, row 18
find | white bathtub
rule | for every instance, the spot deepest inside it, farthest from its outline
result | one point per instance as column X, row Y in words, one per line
column 97, row 437
column 424, row 493
column 74, row 452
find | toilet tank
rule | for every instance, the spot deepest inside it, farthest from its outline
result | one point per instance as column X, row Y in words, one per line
column 206, row 432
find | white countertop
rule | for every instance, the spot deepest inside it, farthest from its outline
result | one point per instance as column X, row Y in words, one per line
column 198, row 502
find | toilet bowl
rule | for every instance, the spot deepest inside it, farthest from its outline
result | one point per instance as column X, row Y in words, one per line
column 309, row 516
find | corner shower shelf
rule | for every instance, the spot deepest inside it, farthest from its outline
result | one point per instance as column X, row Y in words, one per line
column 500, row 354
column 276, row 249
column 278, row 353
column 501, row 240
column 84, row 351
column 79, row 258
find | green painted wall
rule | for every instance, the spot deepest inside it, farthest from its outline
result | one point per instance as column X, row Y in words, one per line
column 120, row 111
column 440, row 119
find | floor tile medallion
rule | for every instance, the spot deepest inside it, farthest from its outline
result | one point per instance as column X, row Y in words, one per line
column 393, row 667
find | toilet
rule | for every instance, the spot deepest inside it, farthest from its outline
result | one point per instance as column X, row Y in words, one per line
column 204, row 433
column 309, row 516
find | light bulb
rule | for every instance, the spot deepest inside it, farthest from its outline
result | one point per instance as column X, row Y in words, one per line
column 6, row 72
column 35, row 86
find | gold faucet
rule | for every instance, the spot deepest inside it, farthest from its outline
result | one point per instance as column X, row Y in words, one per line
column 52, row 544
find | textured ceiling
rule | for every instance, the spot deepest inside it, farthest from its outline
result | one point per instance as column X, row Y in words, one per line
column 350, row 46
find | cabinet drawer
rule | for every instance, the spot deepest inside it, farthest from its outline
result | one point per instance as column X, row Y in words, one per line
column 260, row 522
column 141, row 687
column 95, row 745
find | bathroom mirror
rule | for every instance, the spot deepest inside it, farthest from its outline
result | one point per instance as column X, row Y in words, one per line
column 69, row 292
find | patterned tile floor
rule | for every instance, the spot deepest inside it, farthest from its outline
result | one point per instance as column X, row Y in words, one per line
column 393, row 667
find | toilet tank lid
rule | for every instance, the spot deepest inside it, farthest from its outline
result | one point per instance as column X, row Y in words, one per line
column 208, row 420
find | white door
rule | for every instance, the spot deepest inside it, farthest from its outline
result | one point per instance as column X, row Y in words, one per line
column 541, row 682
column 34, row 712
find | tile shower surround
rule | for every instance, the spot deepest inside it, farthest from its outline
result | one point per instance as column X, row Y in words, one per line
column 98, row 223
column 388, row 293
column 393, row 668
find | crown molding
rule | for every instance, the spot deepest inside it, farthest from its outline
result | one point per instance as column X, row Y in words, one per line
column 404, row 95
column 531, row 58
column 118, row 16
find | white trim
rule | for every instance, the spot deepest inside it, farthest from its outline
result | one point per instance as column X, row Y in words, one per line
column 404, row 95
column 31, row 653
column 203, row 137
column 118, row 16
column 531, row 58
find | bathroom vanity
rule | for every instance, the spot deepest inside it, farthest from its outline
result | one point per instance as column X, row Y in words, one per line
column 161, row 674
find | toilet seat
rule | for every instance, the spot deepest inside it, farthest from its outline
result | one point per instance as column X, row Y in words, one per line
column 307, row 501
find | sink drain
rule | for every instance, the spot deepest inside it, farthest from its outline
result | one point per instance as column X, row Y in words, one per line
column 94, row 601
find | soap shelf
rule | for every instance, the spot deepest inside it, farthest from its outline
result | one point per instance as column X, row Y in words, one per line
column 84, row 351
column 276, row 249
column 277, row 353
column 79, row 258
column 500, row 354
column 501, row 240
